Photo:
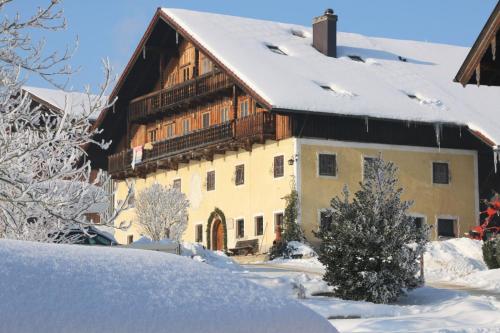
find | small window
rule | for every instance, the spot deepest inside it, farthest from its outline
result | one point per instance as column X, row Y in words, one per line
column 152, row 135
column 185, row 73
column 276, row 49
column 356, row 58
column 278, row 166
column 259, row 226
column 446, row 228
column 244, row 111
column 210, row 180
column 419, row 222
column 240, row 175
column 206, row 65
column 299, row 33
column 185, row 126
column 367, row 161
column 440, row 173
column 327, row 165
column 169, row 130
column 240, row 228
column 177, row 184
column 199, row 233
column 325, row 220
column 278, row 222
column 130, row 239
column 206, row 120
column 224, row 116
column 327, row 88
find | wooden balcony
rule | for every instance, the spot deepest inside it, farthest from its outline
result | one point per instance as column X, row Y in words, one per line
column 155, row 104
column 167, row 154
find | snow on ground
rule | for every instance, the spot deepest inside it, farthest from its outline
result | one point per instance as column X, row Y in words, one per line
column 72, row 288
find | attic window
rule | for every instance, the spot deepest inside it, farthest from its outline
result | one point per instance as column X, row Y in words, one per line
column 356, row 58
column 402, row 59
column 299, row 33
column 327, row 88
column 412, row 96
column 275, row 49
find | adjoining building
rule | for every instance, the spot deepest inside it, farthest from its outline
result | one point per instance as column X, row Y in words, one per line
column 482, row 66
column 236, row 112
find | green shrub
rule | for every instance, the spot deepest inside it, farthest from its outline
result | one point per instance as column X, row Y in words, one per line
column 491, row 253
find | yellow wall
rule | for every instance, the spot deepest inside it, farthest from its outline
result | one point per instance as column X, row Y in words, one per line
column 261, row 193
column 457, row 199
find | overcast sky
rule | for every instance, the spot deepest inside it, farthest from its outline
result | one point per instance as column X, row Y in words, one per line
column 112, row 28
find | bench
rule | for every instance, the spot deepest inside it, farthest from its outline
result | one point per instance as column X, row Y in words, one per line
column 245, row 247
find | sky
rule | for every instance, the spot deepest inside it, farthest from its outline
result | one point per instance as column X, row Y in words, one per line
column 112, row 28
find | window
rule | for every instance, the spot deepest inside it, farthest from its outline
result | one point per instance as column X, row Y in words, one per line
column 210, row 180
column 244, row 109
column 177, row 184
column 224, row 114
column 356, row 58
column 259, row 226
column 206, row 65
column 152, row 135
column 278, row 222
column 185, row 126
column 419, row 222
column 440, row 173
column 325, row 220
column 130, row 239
column 276, row 49
column 199, row 233
column 240, row 228
column 240, row 175
column 131, row 196
column 205, row 120
column 327, row 165
column 367, row 161
column 446, row 228
column 169, row 130
column 278, row 166
column 185, row 74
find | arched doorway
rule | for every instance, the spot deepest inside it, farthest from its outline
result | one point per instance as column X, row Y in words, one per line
column 217, row 231
column 217, row 236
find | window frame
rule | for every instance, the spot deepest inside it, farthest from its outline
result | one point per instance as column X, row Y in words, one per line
column 224, row 114
column 363, row 166
column 169, row 130
column 244, row 111
column 237, row 228
column 208, row 188
column 275, row 214
column 448, row 173
column 322, row 211
column 184, row 122
column 203, row 120
column 318, row 165
column 256, row 229
column 456, row 226
column 282, row 174
column 175, row 182
column 236, row 178
column 198, row 234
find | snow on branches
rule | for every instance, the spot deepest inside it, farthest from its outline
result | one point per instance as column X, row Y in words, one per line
column 372, row 247
column 162, row 212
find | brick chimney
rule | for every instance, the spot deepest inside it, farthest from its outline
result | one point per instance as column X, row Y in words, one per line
column 325, row 33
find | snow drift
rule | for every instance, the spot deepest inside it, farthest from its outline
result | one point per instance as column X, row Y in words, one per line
column 70, row 288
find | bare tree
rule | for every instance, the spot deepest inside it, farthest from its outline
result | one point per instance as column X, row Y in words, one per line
column 45, row 175
column 162, row 212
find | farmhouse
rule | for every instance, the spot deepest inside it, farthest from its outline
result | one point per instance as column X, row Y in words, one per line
column 236, row 112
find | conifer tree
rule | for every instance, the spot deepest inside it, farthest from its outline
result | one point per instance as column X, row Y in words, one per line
column 371, row 249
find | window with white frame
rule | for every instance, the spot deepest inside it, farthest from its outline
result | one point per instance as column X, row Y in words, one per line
column 446, row 228
column 327, row 165
column 224, row 114
column 240, row 228
column 259, row 225
column 440, row 173
column 278, row 166
column 210, row 180
column 240, row 175
column 244, row 109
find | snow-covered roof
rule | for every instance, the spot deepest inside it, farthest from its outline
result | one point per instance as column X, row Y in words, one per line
column 77, row 102
column 399, row 79
column 72, row 288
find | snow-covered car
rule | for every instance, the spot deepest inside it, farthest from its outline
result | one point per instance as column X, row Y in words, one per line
column 86, row 236
column 66, row 288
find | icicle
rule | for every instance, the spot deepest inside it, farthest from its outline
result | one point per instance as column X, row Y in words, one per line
column 366, row 124
column 176, row 38
column 144, row 52
column 438, row 128
column 496, row 158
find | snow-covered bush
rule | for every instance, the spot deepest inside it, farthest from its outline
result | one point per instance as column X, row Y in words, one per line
column 45, row 176
column 372, row 247
column 491, row 253
column 162, row 212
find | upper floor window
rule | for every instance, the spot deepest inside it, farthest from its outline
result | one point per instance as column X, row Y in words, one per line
column 177, row 184
column 205, row 120
column 367, row 161
column 210, row 180
column 278, row 166
column 185, row 125
column 440, row 173
column 153, row 135
column 206, row 65
column 327, row 165
column 185, row 73
column 240, row 174
column 224, row 114
column 169, row 130
column 244, row 109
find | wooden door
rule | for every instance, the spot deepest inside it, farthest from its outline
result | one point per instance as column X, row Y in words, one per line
column 217, row 236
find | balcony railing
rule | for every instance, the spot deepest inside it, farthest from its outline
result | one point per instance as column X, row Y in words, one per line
column 259, row 126
column 151, row 105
